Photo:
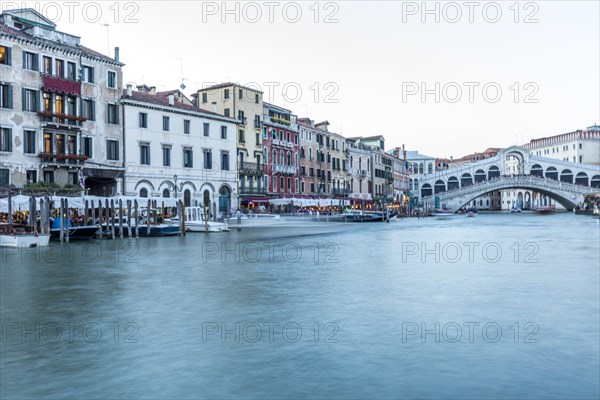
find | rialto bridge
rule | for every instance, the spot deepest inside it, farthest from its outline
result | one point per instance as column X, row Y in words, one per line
column 512, row 168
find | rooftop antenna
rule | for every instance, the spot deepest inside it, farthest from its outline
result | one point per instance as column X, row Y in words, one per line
column 107, row 26
column 182, row 86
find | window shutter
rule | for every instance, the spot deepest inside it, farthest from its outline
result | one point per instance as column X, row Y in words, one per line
column 93, row 110
column 36, row 58
column 23, row 98
column 9, row 88
column 91, row 74
column 8, row 56
column 36, row 96
column 116, row 114
column 24, row 59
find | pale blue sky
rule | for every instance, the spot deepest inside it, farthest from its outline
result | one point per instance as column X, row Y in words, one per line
column 368, row 55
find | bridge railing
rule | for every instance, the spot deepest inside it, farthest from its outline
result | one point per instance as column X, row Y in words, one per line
column 502, row 182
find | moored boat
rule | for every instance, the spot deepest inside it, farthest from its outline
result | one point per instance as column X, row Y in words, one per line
column 195, row 221
column 544, row 210
column 75, row 232
column 16, row 235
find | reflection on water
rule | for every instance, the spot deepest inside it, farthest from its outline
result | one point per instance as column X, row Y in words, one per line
column 497, row 306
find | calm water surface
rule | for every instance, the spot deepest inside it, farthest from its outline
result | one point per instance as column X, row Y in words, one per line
column 345, row 315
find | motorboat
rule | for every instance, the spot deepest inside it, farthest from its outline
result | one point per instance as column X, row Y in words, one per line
column 544, row 210
column 75, row 232
column 254, row 220
column 196, row 221
column 442, row 213
column 471, row 212
column 515, row 210
column 18, row 235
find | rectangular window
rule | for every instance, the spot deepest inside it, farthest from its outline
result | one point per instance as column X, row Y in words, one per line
column 145, row 154
column 89, row 109
column 257, row 138
column 188, row 158
column 30, row 100
column 88, row 74
column 241, row 136
column 112, row 114
column 6, row 139
column 60, row 68
column 29, row 142
column 223, row 132
column 111, row 80
column 241, row 117
column 240, row 94
column 256, row 98
column 6, row 96
column 186, row 126
column 73, row 179
column 88, row 147
column 32, row 176
column 224, row 161
column 47, row 65
column 166, row 123
column 71, row 105
column 206, row 129
column 112, row 150
column 274, row 183
column 71, row 71
column 257, row 121
column 226, row 112
column 580, row 159
column 30, row 61
column 580, row 146
column 143, row 120
column 166, row 156
column 207, row 159
column 281, row 188
column 204, row 97
column 49, row 176
column 5, row 55
column 226, row 94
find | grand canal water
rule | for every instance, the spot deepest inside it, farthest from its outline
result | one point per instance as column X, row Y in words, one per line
column 496, row 306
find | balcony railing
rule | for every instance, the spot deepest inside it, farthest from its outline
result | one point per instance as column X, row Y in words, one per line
column 252, row 190
column 60, row 118
column 280, row 121
column 250, row 166
column 340, row 192
column 61, row 158
column 285, row 169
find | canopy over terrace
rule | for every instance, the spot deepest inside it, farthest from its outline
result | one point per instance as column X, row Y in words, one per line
column 21, row 202
column 302, row 202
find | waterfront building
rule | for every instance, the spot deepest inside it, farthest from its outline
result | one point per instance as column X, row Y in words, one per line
column 59, row 109
column 416, row 166
column 246, row 105
column 338, row 164
column 358, row 172
column 280, row 141
column 315, row 158
column 581, row 146
column 174, row 149
column 401, row 185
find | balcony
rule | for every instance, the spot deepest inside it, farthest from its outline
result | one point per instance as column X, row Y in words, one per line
column 285, row 169
column 280, row 122
column 250, row 167
column 362, row 172
column 252, row 190
column 61, row 85
column 61, row 158
column 60, row 118
column 340, row 192
column 349, row 171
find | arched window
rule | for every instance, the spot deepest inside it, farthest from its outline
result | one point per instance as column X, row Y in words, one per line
column 581, row 179
column 281, row 157
column 430, row 168
column 274, row 160
column 416, row 183
column 466, row 180
column 144, row 192
column 420, row 168
column 166, row 193
column 426, row 190
column 552, row 173
column 206, row 198
column 453, row 183
column 310, row 154
column 289, row 158
column 440, row 186
column 296, row 159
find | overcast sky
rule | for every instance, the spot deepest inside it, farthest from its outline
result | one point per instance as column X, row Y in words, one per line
column 362, row 65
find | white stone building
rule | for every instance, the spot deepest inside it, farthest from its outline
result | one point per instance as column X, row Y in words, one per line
column 59, row 112
column 175, row 149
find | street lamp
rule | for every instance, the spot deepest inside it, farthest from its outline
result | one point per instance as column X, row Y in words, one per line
column 175, row 179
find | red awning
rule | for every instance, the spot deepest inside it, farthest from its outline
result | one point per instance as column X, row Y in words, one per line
column 53, row 84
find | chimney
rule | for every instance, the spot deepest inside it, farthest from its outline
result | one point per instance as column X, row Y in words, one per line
column 129, row 90
column 214, row 106
column 116, row 54
column 171, row 100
